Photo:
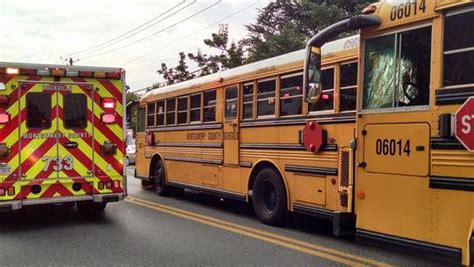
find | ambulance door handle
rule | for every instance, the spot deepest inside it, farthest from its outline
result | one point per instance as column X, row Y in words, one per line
column 71, row 144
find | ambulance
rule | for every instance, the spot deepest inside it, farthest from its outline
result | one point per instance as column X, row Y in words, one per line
column 61, row 136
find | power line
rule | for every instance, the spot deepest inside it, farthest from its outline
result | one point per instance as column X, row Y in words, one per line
column 189, row 35
column 128, row 33
column 155, row 33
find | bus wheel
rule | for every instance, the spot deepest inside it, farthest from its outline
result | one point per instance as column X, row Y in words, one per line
column 147, row 185
column 159, row 177
column 269, row 198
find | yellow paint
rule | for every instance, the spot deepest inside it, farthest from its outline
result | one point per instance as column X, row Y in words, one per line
column 290, row 243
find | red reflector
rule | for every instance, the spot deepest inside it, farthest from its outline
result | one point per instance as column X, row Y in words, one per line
column 325, row 97
column 108, row 103
column 108, row 118
column 86, row 74
column 11, row 191
column 116, row 184
column 27, row 71
column 2, row 192
column 150, row 138
column 4, row 118
column 113, row 75
column 101, row 185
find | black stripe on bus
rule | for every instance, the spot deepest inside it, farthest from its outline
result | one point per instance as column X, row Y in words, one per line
column 311, row 170
column 322, row 119
column 198, row 145
column 313, row 211
column 324, row 147
column 453, row 183
column 210, row 126
column 453, row 96
column 210, row 191
column 246, row 164
column 445, row 251
column 446, row 143
column 196, row 160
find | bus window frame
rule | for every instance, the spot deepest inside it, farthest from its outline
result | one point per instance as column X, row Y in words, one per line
column 209, row 106
column 443, row 52
column 274, row 115
column 200, row 108
column 360, row 89
column 327, row 111
column 149, row 115
column 254, row 110
column 182, row 111
column 289, row 75
column 340, row 88
column 167, row 111
column 164, row 112
column 237, row 88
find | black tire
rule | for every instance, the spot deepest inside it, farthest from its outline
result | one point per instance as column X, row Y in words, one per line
column 159, row 177
column 90, row 209
column 269, row 198
column 147, row 185
column 127, row 161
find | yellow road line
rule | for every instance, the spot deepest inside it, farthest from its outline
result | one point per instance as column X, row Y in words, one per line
column 294, row 244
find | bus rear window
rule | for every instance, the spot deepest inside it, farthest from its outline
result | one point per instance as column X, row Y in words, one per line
column 38, row 106
column 75, row 111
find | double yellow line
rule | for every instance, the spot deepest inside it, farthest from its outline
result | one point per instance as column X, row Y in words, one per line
column 290, row 243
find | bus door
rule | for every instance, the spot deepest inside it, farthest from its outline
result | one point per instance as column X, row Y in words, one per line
column 56, row 130
column 231, row 126
column 394, row 133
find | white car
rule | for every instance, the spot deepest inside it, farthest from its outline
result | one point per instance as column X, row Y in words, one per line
column 131, row 149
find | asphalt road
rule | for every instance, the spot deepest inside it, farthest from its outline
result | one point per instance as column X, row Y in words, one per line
column 193, row 229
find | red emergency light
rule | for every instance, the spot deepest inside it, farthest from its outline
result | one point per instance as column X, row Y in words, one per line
column 4, row 117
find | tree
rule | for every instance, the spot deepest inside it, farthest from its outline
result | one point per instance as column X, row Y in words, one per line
column 177, row 74
column 284, row 26
column 230, row 56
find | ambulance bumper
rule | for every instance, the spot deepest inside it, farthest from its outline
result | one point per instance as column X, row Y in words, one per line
column 18, row 204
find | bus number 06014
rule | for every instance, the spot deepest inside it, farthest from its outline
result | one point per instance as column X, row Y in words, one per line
column 406, row 10
column 392, row 147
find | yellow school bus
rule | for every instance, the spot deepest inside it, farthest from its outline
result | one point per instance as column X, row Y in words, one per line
column 238, row 134
column 414, row 160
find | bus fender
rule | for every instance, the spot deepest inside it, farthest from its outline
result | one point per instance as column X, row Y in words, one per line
column 260, row 164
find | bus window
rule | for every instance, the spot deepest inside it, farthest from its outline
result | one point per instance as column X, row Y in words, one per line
column 170, row 111
column 266, row 97
column 459, row 49
column 210, row 106
column 160, row 113
column 150, row 121
column 231, row 94
column 326, row 102
column 141, row 120
column 182, row 110
column 291, row 96
column 195, row 110
column 397, row 70
column 38, row 106
column 247, row 102
column 348, row 86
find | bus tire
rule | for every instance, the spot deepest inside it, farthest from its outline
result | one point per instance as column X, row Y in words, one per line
column 269, row 198
column 159, row 177
column 147, row 185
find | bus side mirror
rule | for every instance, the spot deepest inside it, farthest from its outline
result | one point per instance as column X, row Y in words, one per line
column 312, row 75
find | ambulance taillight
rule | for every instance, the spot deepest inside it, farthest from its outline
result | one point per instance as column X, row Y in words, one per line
column 4, row 117
column 108, row 105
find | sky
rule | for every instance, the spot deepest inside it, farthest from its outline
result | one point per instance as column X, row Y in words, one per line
column 94, row 32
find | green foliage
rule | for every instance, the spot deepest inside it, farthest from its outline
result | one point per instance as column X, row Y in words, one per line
column 285, row 26
column 177, row 74
column 131, row 96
